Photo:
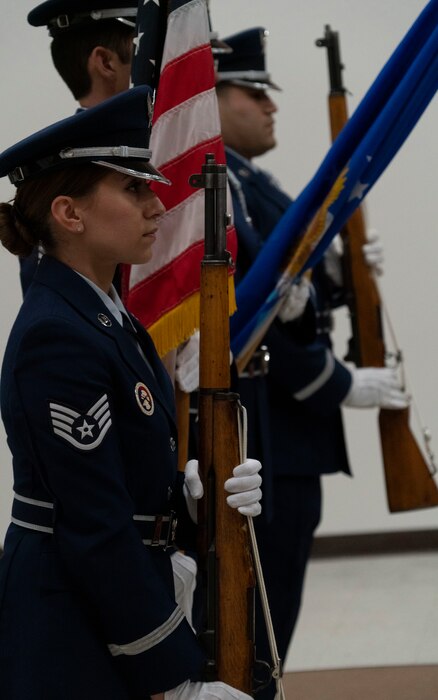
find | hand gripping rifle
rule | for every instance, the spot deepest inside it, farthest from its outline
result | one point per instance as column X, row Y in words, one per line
column 409, row 481
column 224, row 546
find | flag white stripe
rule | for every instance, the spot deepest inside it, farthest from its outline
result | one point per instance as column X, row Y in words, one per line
column 187, row 28
column 184, row 219
column 177, row 128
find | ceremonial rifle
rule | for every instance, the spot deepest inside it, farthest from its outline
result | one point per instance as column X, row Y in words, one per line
column 409, row 481
column 225, row 559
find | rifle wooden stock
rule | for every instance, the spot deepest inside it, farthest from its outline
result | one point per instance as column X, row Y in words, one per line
column 409, row 483
column 224, row 544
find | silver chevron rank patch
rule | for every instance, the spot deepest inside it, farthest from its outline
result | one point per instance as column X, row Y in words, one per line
column 85, row 431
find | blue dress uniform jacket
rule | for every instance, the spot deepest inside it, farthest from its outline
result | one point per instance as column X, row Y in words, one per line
column 305, row 382
column 294, row 418
column 87, row 609
column 28, row 267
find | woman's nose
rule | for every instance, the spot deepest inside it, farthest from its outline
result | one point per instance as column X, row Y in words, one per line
column 154, row 207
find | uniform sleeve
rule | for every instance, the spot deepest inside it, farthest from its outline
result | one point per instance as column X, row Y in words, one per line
column 61, row 379
column 309, row 372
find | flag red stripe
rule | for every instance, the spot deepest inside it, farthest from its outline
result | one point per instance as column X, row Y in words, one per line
column 180, row 168
column 170, row 285
column 184, row 78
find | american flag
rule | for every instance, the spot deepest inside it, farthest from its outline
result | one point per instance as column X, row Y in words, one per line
column 164, row 293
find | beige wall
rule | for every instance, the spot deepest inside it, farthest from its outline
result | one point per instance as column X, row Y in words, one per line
column 402, row 205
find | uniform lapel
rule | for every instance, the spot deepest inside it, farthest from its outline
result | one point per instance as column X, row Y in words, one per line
column 63, row 280
column 258, row 180
column 148, row 347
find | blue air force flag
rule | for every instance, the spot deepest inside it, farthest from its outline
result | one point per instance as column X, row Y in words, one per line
column 366, row 145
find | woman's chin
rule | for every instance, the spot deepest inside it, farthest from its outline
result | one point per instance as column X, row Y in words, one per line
column 140, row 258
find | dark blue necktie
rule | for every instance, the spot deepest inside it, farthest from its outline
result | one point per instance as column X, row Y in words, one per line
column 129, row 328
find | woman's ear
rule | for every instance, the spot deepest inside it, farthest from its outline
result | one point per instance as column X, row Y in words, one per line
column 65, row 214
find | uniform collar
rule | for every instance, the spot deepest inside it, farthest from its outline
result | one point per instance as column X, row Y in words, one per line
column 241, row 160
column 111, row 300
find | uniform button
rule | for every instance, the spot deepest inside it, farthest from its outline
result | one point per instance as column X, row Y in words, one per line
column 172, row 444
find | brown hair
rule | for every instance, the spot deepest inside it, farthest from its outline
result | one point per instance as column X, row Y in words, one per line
column 25, row 223
column 71, row 50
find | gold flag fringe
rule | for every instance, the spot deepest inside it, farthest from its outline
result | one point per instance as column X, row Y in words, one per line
column 176, row 326
column 316, row 228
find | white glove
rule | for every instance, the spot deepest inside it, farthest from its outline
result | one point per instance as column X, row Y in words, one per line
column 184, row 578
column 333, row 261
column 193, row 489
column 245, row 487
column 373, row 252
column 295, row 300
column 187, row 364
column 205, row 691
column 375, row 386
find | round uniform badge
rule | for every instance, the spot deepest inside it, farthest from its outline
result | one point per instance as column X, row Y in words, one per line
column 105, row 321
column 144, row 398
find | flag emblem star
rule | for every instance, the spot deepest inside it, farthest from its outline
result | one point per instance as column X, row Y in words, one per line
column 358, row 191
column 144, row 398
column 136, row 42
column 84, row 431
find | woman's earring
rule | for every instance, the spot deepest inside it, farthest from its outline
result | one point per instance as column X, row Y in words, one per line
column 79, row 228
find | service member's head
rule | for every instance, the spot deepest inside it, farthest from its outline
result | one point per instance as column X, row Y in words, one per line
column 246, row 109
column 92, row 44
column 85, row 181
